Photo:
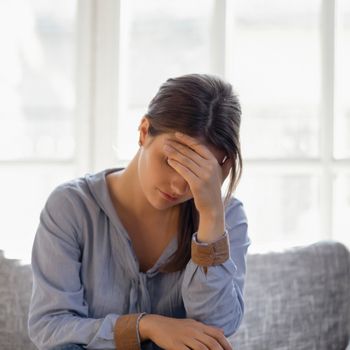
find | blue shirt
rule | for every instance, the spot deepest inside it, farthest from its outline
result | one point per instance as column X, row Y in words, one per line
column 86, row 273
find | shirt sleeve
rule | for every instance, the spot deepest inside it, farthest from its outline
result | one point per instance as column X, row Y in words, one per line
column 215, row 296
column 58, row 312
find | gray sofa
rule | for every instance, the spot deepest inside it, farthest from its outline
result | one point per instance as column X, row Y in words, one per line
column 298, row 299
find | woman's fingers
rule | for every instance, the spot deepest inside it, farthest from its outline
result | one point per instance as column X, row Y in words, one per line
column 185, row 151
column 189, row 176
column 194, row 144
column 219, row 336
column 195, row 344
column 205, row 342
column 203, row 170
column 184, row 165
column 215, row 340
column 189, row 158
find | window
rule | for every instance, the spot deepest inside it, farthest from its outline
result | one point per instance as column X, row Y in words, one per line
column 279, row 57
column 76, row 78
column 37, row 80
column 341, row 208
column 163, row 39
column 37, row 124
column 277, row 65
column 295, row 175
column 342, row 110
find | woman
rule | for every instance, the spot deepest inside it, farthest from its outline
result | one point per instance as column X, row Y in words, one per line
column 149, row 256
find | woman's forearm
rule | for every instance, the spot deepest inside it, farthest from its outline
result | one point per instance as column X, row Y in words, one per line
column 211, row 226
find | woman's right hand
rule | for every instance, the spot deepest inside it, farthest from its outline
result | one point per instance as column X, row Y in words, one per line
column 181, row 334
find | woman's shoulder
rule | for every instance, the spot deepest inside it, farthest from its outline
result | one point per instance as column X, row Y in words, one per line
column 236, row 223
column 234, row 202
column 70, row 190
column 235, row 211
column 79, row 192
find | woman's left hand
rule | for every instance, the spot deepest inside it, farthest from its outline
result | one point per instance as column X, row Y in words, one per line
column 201, row 170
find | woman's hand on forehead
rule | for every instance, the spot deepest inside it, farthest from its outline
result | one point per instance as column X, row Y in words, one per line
column 200, row 167
column 195, row 143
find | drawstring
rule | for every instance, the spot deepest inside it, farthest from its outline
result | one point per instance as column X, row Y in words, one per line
column 140, row 300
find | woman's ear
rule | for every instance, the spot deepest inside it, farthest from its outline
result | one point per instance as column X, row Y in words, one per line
column 143, row 128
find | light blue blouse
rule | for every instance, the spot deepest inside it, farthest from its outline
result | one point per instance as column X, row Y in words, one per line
column 86, row 274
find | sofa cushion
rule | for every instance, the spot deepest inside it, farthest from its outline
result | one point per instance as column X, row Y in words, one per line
column 15, row 291
column 297, row 299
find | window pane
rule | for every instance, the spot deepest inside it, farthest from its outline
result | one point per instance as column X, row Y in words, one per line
column 36, row 79
column 165, row 39
column 24, row 191
column 276, row 69
column 341, row 209
column 342, row 116
column 282, row 210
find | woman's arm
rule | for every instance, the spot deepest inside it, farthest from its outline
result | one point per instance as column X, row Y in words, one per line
column 215, row 297
column 213, row 300
column 58, row 310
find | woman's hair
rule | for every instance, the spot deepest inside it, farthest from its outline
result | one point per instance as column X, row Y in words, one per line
column 202, row 106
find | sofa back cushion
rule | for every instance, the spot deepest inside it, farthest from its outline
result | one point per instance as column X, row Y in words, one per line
column 15, row 292
column 298, row 299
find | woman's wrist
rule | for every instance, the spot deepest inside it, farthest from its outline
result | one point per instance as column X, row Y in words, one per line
column 210, row 228
column 146, row 325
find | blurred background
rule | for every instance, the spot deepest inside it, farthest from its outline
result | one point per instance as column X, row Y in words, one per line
column 76, row 78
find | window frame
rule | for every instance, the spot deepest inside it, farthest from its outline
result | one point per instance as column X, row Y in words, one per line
column 105, row 19
column 99, row 96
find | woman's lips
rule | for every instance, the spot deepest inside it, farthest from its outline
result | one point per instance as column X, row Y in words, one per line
column 168, row 197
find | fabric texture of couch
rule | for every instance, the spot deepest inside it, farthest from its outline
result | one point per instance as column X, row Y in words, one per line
column 298, row 299
column 294, row 300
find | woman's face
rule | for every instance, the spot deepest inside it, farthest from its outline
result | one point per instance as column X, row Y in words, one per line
column 162, row 185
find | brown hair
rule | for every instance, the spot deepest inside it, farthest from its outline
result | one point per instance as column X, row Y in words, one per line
column 203, row 106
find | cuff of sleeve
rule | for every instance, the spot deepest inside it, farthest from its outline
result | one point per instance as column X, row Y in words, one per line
column 210, row 254
column 126, row 334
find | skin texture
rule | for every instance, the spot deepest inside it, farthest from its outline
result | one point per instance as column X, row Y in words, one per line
column 182, row 167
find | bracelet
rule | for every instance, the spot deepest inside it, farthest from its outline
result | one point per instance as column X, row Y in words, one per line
column 137, row 326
